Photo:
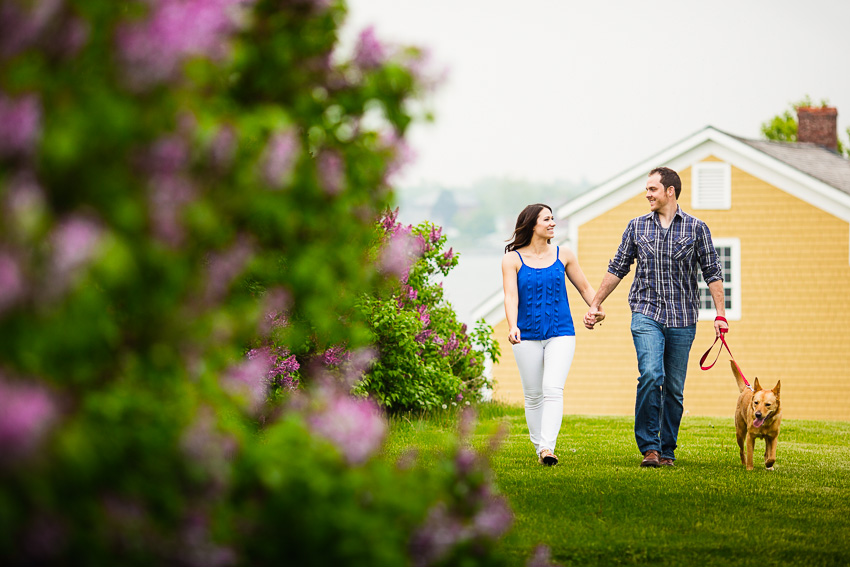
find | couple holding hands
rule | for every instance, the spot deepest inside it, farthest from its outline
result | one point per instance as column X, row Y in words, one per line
column 669, row 246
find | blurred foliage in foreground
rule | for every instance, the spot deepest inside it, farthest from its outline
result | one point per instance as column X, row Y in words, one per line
column 182, row 181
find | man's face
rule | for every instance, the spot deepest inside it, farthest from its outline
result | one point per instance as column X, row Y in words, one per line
column 656, row 194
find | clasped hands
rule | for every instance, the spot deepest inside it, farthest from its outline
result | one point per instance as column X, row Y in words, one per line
column 594, row 315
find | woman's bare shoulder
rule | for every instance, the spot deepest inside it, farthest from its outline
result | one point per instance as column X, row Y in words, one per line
column 510, row 258
column 566, row 255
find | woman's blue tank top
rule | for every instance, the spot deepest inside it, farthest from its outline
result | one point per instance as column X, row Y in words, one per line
column 544, row 310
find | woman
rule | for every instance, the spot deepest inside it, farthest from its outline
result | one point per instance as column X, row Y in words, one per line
column 541, row 327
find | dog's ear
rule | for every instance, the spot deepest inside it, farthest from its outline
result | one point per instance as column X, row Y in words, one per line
column 756, row 386
column 776, row 388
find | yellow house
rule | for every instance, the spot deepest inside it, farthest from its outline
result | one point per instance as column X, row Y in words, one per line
column 778, row 214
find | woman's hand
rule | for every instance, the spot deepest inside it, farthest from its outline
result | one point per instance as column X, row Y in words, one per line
column 594, row 315
column 513, row 336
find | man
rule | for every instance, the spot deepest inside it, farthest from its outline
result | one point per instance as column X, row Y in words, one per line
column 669, row 245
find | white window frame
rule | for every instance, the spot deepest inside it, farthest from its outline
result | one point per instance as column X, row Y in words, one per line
column 733, row 312
column 722, row 200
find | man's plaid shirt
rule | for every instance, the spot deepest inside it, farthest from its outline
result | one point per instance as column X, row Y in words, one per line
column 665, row 287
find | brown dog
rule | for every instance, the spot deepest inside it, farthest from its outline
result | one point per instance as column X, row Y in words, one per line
column 758, row 414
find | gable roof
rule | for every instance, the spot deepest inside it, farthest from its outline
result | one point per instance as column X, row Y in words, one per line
column 809, row 172
column 812, row 159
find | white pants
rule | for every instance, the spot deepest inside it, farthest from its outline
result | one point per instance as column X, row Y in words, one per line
column 543, row 368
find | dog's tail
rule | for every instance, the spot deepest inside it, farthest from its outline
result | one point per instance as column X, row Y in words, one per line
column 738, row 378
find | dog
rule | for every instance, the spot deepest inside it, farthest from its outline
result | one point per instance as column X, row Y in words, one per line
column 757, row 414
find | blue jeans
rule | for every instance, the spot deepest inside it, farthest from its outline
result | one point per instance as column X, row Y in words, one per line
column 662, row 354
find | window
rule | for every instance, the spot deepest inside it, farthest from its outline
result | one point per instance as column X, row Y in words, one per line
column 729, row 254
column 711, row 185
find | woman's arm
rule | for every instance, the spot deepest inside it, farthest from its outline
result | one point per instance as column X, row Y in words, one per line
column 576, row 275
column 510, row 267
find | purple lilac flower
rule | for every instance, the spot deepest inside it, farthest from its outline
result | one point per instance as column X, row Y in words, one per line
column 276, row 302
column 424, row 316
column 466, row 426
column 74, row 242
column 21, row 25
column 389, row 221
column 355, row 426
column 279, row 158
column 202, row 443
column 494, row 518
column 21, row 120
column 153, row 49
column 410, row 292
column 24, row 204
column 167, row 155
column 27, row 412
column 167, row 197
column 223, row 147
column 423, row 337
column 11, row 281
column 284, row 369
column 401, row 154
column 420, row 64
column 436, row 537
column 369, row 52
column 336, row 356
column 448, row 255
column 466, row 461
column 331, row 172
column 436, row 233
column 399, row 254
column 542, row 557
column 422, row 244
column 249, row 378
column 359, row 362
column 224, row 268
column 450, row 345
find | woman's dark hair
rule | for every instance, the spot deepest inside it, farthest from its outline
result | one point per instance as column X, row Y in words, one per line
column 525, row 226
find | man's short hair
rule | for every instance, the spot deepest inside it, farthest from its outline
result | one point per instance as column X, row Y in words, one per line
column 668, row 178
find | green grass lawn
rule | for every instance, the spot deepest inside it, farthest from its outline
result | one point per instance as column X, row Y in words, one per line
column 598, row 507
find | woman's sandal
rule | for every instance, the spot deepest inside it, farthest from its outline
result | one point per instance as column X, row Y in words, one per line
column 548, row 458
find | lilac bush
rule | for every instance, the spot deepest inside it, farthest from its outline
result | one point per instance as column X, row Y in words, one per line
column 168, row 169
column 428, row 359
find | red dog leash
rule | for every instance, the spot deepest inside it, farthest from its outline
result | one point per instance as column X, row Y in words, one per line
column 722, row 340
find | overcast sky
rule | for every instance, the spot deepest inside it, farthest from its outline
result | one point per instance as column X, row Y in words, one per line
column 556, row 89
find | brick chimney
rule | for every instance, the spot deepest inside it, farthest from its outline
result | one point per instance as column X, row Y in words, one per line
column 818, row 125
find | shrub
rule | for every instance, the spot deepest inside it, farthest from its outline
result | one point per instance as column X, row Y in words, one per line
column 175, row 177
column 427, row 359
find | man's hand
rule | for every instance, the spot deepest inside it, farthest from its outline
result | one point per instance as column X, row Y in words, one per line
column 513, row 336
column 594, row 315
column 720, row 323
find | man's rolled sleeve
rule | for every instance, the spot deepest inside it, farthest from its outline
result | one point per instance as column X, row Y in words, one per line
column 621, row 264
column 709, row 262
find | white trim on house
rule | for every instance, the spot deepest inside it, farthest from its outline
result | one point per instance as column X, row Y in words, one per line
column 692, row 150
column 733, row 312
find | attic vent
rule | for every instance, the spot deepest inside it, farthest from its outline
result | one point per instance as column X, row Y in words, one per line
column 711, row 186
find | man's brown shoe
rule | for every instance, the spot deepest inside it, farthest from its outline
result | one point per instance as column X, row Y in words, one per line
column 650, row 459
column 665, row 462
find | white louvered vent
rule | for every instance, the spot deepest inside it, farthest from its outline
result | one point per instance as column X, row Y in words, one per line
column 711, row 186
